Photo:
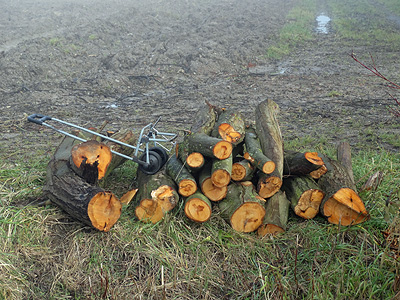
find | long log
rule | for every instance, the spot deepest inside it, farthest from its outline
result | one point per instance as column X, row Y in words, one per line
column 85, row 202
column 209, row 146
column 344, row 157
column 269, row 133
column 277, row 213
column 254, row 153
column 156, row 196
column 230, row 127
column 341, row 204
column 198, row 208
column 304, row 195
column 204, row 119
column 301, row 163
column 242, row 207
column 184, row 179
column 207, row 187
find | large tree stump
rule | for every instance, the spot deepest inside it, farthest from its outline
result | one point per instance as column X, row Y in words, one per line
column 277, row 213
column 304, row 195
column 184, row 179
column 341, row 204
column 85, row 202
column 198, row 208
column 211, row 191
column 156, row 196
column 242, row 207
column 301, row 163
column 230, row 127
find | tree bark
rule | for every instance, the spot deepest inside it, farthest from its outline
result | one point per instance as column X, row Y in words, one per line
column 301, row 163
column 341, row 204
column 198, row 208
column 156, row 196
column 204, row 120
column 255, row 154
column 269, row 133
column 242, row 207
column 184, row 179
column 85, row 202
column 277, row 213
column 230, row 127
column 344, row 157
column 304, row 195
column 209, row 146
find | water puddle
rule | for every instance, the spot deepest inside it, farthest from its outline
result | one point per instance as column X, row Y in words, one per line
column 322, row 23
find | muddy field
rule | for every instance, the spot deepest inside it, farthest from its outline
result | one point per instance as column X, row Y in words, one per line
column 130, row 62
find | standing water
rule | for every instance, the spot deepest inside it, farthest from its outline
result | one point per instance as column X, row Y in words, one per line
column 322, row 23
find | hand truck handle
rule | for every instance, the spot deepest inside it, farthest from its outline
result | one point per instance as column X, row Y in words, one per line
column 38, row 118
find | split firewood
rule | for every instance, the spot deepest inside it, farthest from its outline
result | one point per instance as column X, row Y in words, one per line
column 242, row 207
column 341, row 204
column 209, row 146
column 301, row 163
column 304, row 195
column 156, row 196
column 254, row 153
column 242, row 170
column 90, row 160
column 207, row 186
column 184, row 179
column 230, row 127
column 221, row 171
column 85, row 202
column 269, row 133
column 198, row 208
column 205, row 118
column 125, row 136
column 194, row 161
column 277, row 214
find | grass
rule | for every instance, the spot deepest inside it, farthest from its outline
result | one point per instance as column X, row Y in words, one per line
column 46, row 254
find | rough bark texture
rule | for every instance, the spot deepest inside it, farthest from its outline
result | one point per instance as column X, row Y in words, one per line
column 184, row 179
column 277, row 213
column 344, row 157
column 341, row 204
column 301, row 163
column 269, row 133
column 204, row 120
column 304, row 195
column 156, row 196
column 254, row 153
column 242, row 207
column 198, row 208
column 85, row 202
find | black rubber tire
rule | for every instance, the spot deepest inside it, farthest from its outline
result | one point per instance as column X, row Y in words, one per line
column 162, row 152
column 156, row 162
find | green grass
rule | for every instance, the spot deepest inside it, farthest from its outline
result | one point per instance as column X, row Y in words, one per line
column 45, row 254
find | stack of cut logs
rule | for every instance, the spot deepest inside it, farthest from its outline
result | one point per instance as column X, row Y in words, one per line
column 223, row 162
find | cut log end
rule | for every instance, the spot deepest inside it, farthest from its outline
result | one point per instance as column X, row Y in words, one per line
column 149, row 211
column 220, row 178
column 104, row 210
column 228, row 133
column 309, row 202
column 346, row 208
column 195, row 160
column 187, row 187
column 213, row 192
column 313, row 158
column 238, row 172
column 270, row 229
column 222, row 150
column 268, row 167
column 268, row 187
column 197, row 210
column 319, row 172
column 248, row 217
column 166, row 197
column 92, row 153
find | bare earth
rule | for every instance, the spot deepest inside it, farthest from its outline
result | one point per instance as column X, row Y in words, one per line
column 130, row 62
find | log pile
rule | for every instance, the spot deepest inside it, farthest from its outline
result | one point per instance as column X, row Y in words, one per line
column 240, row 169
column 224, row 163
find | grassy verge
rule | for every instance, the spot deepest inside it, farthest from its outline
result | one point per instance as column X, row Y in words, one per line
column 47, row 255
